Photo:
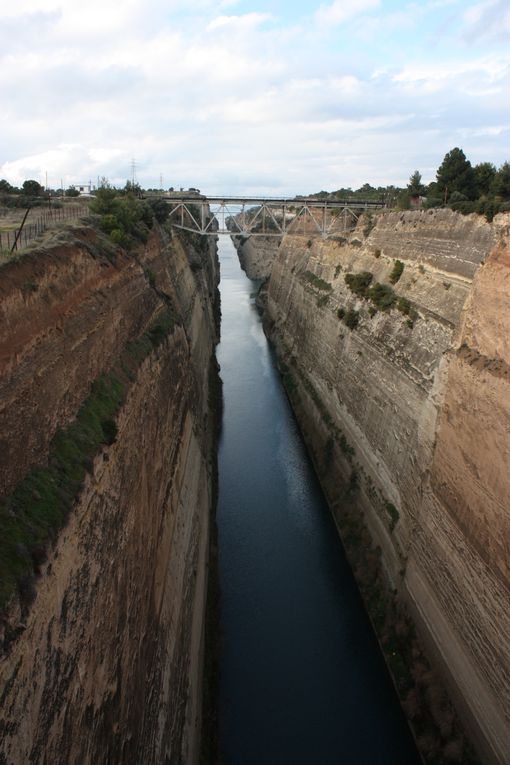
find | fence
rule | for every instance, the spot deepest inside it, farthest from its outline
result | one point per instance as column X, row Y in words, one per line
column 43, row 221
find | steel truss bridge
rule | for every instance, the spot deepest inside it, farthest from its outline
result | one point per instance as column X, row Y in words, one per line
column 265, row 216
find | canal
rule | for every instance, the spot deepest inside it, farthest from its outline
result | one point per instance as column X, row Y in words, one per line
column 302, row 680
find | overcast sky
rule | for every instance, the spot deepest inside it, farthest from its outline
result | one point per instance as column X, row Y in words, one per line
column 268, row 96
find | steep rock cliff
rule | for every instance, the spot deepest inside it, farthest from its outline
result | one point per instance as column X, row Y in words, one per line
column 406, row 413
column 102, row 650
column 257, row 254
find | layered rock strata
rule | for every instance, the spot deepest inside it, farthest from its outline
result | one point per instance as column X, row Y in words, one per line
column 102, row 658
column 257, row 254
column 406, row 410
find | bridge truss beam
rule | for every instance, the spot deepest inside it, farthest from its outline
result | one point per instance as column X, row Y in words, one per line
column 265, row 217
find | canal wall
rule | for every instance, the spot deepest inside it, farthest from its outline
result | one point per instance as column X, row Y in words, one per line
column 257, row 254
column 107, row 465
column 393, row 343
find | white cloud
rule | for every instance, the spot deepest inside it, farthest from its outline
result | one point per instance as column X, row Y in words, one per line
column 437, row 76
column 343, row 10
column 234, row 23
column 216, row 99
column 488, row 20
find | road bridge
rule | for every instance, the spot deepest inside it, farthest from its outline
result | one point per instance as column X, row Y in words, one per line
column 265, row 216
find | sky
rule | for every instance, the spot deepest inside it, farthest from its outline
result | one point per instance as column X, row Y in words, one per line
column 250, row 96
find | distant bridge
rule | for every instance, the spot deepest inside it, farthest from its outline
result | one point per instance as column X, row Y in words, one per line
column 264, row 216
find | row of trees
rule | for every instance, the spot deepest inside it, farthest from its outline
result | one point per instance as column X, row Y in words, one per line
column 31, row 188
column 459, row 185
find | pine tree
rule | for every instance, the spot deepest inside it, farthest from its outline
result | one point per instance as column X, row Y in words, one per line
column 501, row 184
column 456, row 174
column 485, row 173
column 415, row 186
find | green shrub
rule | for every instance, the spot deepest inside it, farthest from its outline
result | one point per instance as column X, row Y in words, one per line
column 432, row 202
column 465, row 208
column 118, row 236
column 488, row 207
column 359, row 283
column 341, row 313
column 124, row 218
column 393, row 513
column 317, row 282
column 398, row 268
column 160, row 209
column 404, row 305
column 382, row 296
column 351, row 318
column 108, row 223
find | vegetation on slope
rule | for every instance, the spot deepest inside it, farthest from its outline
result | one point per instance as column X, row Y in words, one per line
column 32, row 515
column 382, row 296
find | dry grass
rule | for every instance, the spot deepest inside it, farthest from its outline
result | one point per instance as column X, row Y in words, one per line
column 12, row 217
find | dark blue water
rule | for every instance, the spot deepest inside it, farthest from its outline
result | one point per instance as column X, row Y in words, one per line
column 302, row 681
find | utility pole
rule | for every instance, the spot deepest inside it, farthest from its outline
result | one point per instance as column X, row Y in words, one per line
column 160, row 182
column 133, row 171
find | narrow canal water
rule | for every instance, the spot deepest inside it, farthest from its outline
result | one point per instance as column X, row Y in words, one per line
column 302, row 681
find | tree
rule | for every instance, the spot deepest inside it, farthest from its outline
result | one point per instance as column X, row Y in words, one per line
column 160, row 209
column 72, row 191
column 456, row 174
column 5, row 186
column 485, row 173
column 32, row 188
column 415, row 186
column 133, row 188
column 501, row 184
column 103, row 201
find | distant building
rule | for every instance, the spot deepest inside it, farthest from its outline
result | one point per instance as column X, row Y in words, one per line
column 85, row 189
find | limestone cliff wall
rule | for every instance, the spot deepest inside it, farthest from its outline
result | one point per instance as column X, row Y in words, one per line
column 257, row 254
column 407, row 418
column 102, row 663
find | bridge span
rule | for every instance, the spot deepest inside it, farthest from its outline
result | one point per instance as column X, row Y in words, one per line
column 264, row 216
